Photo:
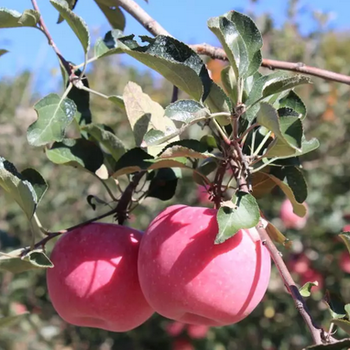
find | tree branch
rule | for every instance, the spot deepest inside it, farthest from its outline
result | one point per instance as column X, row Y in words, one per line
column 316, row 332
column 45, row 30
column 142, row 17
column 217, row 53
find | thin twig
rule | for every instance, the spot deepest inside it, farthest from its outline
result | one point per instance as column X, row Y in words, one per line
column 51, row 235
column 45, row 30
column 155, row 28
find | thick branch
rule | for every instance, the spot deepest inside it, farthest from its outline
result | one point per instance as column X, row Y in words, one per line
column 142, row 17
column 217, row 53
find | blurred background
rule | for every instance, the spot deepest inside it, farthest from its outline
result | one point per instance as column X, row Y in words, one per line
column 297, row 31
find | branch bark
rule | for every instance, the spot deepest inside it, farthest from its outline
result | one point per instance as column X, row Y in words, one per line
column 155, row 28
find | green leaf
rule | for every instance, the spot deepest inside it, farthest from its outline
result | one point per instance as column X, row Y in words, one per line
column 241, row 41
column 209, row 141
column 346, row 238
column 298, row 208
column 339, row 345
column 229, row 83
column 292, row 100
column 277, row 236
column 11, row 320
column 38, row 258
column 285, row 84
column 113, row 14
column 266, row 85
column 335, row 304
column 251, row 37
column 138, row 160
column 217, row 101
column 163, row 185
column 79, row 153
column 20, row 189
column 287, row 129
column 343, row 324
column 186, row 148
column 207, row 166
column 173, row 59
column 117, row 100
column 145, row 114
column 305, row 290
column 54, row 115
column 81, row 99
column 16, row 262
column 283, row 151
column 110, row 143
column 232, row 42
column 76, row 23
column 262, row 184
column 243, row 213
column 71, row 6
column 13, row 19
column 186, row 111
column 3, row 51
column 109, row 45
column 296, row 181
column 37, row 181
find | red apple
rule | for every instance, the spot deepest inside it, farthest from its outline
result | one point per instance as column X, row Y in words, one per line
column 186, row 277
column 289, row 218
column 182, row 344
column 344, row 261
column 175, row 328
column 94, row 282
column 197, row 331
column 300, row 265
column 346, row 228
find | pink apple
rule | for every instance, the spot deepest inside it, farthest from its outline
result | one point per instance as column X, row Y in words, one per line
column 346, row 228
column 300, row 265
column 175, row 328
column 344, row 261
column 186, row 277
column 182, row 344
column 289, row 218
column 197, row 331
column 94, row 282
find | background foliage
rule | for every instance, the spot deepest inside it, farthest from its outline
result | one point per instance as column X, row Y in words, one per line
column 275, row 323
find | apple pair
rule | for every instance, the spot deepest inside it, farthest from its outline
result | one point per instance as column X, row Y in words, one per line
column 113, row 277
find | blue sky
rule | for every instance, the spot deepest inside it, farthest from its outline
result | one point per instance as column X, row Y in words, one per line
column 184, row 19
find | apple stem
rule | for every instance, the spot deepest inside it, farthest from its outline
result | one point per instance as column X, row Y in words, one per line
column 51, row 235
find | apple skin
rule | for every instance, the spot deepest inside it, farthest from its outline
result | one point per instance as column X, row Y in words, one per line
column 186, row 277
column 344, row 261
column 94, row 282
column 289, row 219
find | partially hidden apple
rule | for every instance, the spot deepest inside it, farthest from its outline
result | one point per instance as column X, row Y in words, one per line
column 289, row 218
column 94, row 281
column 344, row 261
column 186, row 277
